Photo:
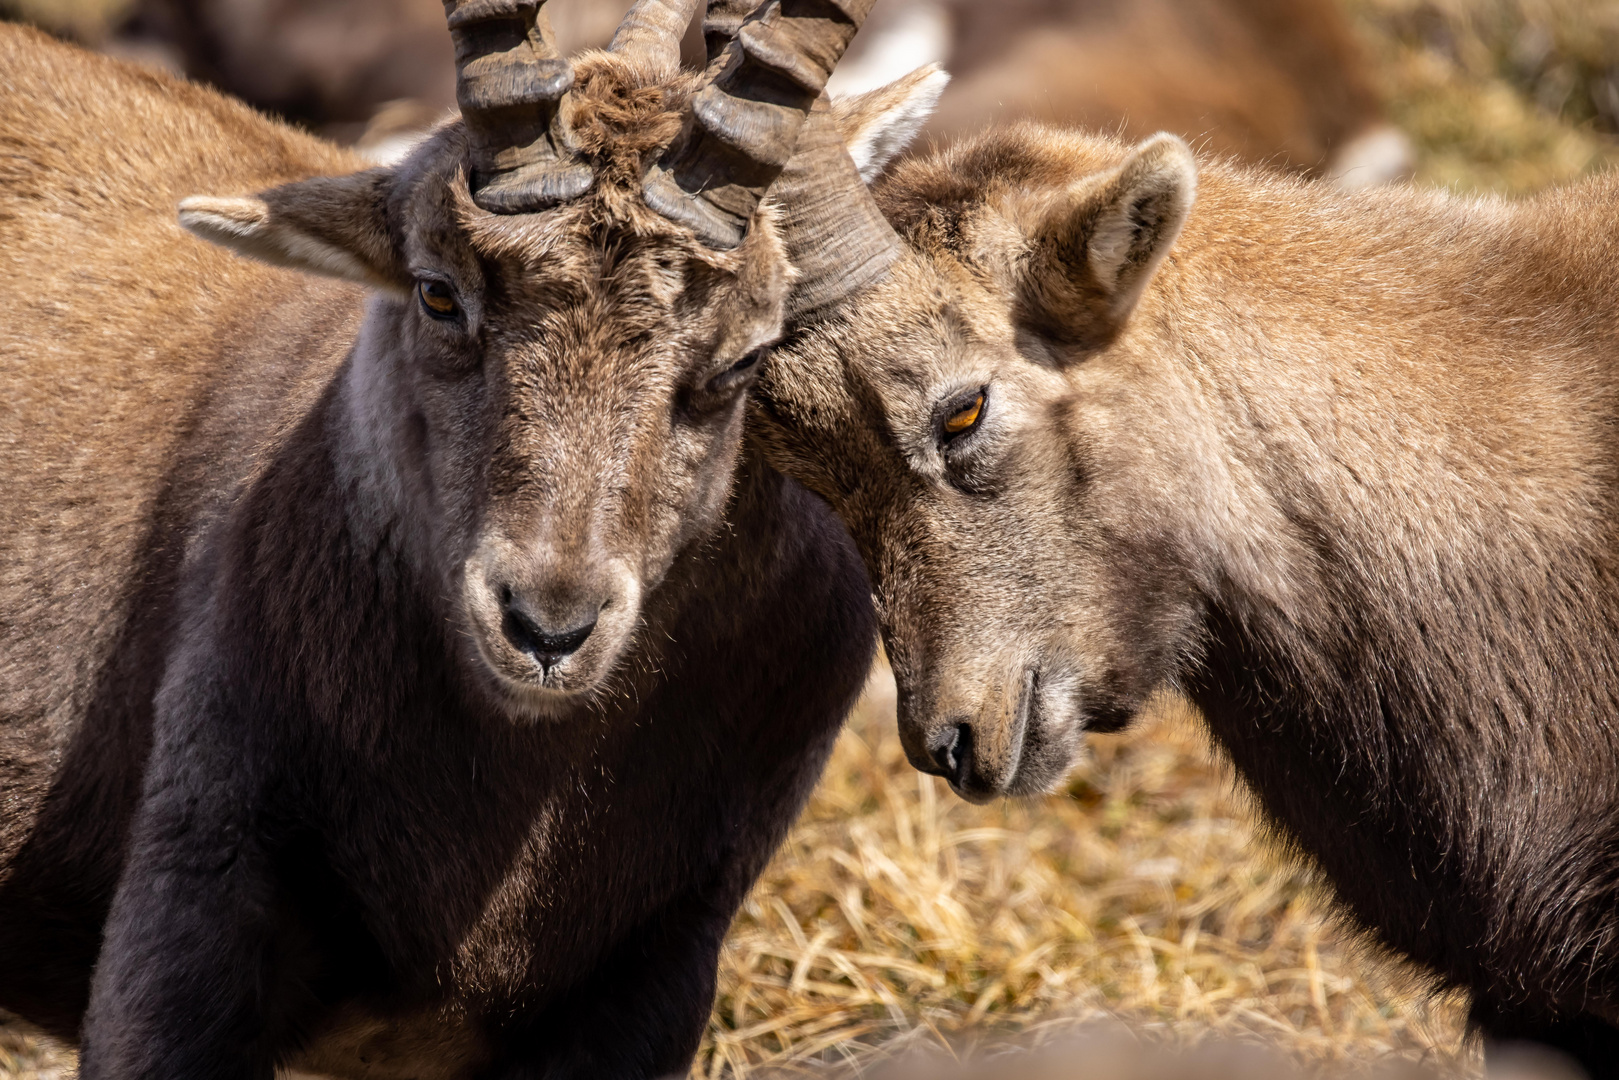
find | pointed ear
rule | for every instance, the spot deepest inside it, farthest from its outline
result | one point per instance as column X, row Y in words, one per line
column 331, row 225
column 1092, row 250
column 879, row 124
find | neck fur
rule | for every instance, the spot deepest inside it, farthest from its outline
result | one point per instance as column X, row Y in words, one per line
column 1403, row 497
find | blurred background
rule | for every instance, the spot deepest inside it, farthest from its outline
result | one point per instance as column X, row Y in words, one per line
column 1502, row 95
column 1145, row 896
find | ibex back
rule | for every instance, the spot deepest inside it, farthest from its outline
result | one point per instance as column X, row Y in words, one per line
column 380, row 694
column 1340, row 468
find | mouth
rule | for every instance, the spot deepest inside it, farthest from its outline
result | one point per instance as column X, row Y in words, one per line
column 543, row 664
column 539, row 692
column 526, row 687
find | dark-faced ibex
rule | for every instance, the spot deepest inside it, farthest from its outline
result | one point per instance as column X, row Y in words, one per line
column 1343, row 469
column 405, row 672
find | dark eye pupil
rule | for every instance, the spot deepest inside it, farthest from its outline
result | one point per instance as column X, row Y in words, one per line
column 964, row 418
column 747, row 361
column 437, row 298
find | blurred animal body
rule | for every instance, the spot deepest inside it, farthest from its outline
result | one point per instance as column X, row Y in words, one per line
column 407, row 682
column 1341, row 468
column 1275, row 82
column 336, row 62
column 339, row 65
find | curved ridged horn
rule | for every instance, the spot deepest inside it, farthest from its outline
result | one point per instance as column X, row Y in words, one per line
column 510, row 81
column 721, row 20
column 653, row 28
column 744, row 125
column 836, row 236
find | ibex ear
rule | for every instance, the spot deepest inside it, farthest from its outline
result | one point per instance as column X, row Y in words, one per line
column 331, row 225
column 878, row 125
column 1092, row 251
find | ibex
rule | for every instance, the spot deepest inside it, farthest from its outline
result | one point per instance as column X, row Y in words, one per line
column 406, row 674
column 1343, row 469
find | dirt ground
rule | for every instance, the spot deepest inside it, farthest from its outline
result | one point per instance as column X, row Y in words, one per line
column 897, row 915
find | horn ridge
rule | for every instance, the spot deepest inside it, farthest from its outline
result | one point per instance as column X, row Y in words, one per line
column 653, row 29
column 792, row 52
column 744, row 126
column 837, row 238
column 474, row 11
column 721, row 21
column 510, row 83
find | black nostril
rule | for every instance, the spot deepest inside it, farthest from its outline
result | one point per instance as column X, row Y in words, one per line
column 546, row 647
column 952, row 752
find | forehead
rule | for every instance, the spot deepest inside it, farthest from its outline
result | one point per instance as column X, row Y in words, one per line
column 914, row 346
column 935, row 199
column 632, row 280
column 607, row 241
column 932, row 324
column 594, row 253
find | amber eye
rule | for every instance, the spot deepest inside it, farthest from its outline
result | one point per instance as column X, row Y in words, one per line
column 965, row 418
column 438, row 300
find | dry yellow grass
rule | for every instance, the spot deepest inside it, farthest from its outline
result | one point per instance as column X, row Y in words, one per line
column 896, row 914
column 25, row 1055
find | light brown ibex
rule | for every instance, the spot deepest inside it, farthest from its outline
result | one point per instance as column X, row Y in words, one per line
column 407, row 674
column 1344, row 469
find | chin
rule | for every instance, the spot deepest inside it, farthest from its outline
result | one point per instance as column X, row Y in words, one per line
column 1044, row 777
column 533, row 703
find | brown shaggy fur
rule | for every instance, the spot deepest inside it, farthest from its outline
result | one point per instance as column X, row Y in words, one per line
column 1345, row 474
column 279, row 761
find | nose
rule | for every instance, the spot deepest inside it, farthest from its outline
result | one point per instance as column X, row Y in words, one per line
column 546, row 644
column 951, row 748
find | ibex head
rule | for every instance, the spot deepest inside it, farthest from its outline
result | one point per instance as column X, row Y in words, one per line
column 573, row 284
column 993, row 502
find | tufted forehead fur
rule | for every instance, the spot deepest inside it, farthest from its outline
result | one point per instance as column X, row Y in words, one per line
column 619, row 117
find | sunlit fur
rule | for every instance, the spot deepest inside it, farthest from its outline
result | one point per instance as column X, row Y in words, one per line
column 1345, row 475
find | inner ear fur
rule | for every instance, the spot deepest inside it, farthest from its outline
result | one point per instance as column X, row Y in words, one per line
column 336, row 226
column 1091, row 250
column 879, row 124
